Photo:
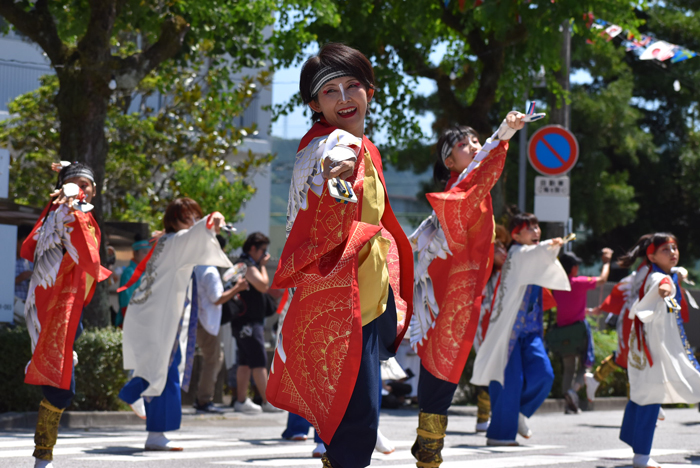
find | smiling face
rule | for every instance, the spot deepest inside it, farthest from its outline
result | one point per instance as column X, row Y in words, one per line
column 343, row 103
column 666, row 256
column 529, row 235
column 463, row 153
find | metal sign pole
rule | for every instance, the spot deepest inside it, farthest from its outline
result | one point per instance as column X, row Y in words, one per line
column 522, row 169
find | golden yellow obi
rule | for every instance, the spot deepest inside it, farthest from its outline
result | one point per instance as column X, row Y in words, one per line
column 373, row 274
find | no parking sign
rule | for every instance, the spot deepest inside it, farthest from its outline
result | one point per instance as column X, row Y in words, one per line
column 553, row 150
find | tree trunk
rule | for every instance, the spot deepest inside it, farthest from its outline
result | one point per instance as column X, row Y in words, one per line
column 82, row 103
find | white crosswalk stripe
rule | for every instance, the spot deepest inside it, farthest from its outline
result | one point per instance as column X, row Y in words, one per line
column 125, row 448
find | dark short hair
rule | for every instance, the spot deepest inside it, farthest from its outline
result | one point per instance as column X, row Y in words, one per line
column 441, row 174
column 569, row 260
column 180, row 209
column 520, row 218
column 337, row 56
column 257, row 239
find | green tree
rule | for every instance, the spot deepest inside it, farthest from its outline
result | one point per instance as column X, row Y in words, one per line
column 178, row 141
column 492, row 50
column 105, row 54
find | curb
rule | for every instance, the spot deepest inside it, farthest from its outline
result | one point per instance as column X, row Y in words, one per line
column 73, row 419
column 104, row 419
column 112, row 419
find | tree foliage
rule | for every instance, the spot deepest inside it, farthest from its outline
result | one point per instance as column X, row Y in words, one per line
column 106, row 53
column 491, row 53
column 154, row 156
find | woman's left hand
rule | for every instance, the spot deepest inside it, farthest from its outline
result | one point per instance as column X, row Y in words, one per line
column 215, row 221
column 514, row 119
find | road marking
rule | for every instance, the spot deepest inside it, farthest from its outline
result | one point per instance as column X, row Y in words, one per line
column 59, row 450
column 245, row 452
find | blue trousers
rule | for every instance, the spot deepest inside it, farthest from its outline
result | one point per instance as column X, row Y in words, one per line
column 354, row 440
column 528, row 381
column 638, row 427
column 164, row 412
column 434, row 395
column 298, row 425
column 59, row 397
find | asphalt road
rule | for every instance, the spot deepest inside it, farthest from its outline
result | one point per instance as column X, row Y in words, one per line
column 586, row 440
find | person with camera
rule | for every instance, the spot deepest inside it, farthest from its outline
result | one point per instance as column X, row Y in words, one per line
column 254, row 305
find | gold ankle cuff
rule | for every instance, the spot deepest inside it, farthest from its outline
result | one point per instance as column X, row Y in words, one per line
column 46, row 432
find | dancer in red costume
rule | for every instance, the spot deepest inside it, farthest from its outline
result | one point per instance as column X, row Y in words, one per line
column 348, row 261
column 455, row 258
column 65, row 248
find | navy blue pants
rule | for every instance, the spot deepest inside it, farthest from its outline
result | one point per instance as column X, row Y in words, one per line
column 528, row 381
column 354, row 440
column 164, row 412
column 298, row 425
column 59, row 397
column 434, row 394
column 638, row 427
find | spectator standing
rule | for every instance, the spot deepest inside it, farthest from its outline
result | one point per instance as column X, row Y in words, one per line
column 23, row 273
column 211, row 295
column 248, row 325
column 571, row 311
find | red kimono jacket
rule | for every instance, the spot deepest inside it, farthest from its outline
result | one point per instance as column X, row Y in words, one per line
column 465, row 213
column 318, row 356
column 64, row 246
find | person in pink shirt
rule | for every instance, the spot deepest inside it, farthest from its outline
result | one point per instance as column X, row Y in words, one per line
column 571, row 309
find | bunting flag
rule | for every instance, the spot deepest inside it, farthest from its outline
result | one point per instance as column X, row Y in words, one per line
column 647, row 47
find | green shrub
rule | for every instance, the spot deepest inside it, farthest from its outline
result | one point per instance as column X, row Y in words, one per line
column 16, row 351
column 99, row 375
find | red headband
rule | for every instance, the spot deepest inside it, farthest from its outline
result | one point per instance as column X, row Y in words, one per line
column 517, row 229
column 652, row 248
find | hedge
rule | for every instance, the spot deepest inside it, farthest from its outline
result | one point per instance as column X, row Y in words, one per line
column 99, row 374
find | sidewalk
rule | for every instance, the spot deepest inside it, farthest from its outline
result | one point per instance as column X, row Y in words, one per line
column 105, row 419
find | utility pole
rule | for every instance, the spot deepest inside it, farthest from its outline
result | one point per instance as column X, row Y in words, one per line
column 560, row 110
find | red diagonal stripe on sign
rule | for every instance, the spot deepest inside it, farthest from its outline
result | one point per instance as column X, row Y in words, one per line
column 553, row 151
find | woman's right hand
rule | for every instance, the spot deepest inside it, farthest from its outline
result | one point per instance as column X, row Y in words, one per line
column 66, row 195
column 341, row 170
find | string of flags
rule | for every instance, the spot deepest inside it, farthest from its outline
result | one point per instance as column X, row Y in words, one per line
column 646, row 46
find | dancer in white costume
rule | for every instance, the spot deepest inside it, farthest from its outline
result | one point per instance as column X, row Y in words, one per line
column 160, row 327
column 512, row 360
column 660, row 363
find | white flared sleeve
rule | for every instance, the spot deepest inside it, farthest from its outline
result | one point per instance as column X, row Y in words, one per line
column 652, row 302
column 543, row 268
column 198, row 246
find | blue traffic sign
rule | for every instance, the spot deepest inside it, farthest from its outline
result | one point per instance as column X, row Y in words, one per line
column 553, row 150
